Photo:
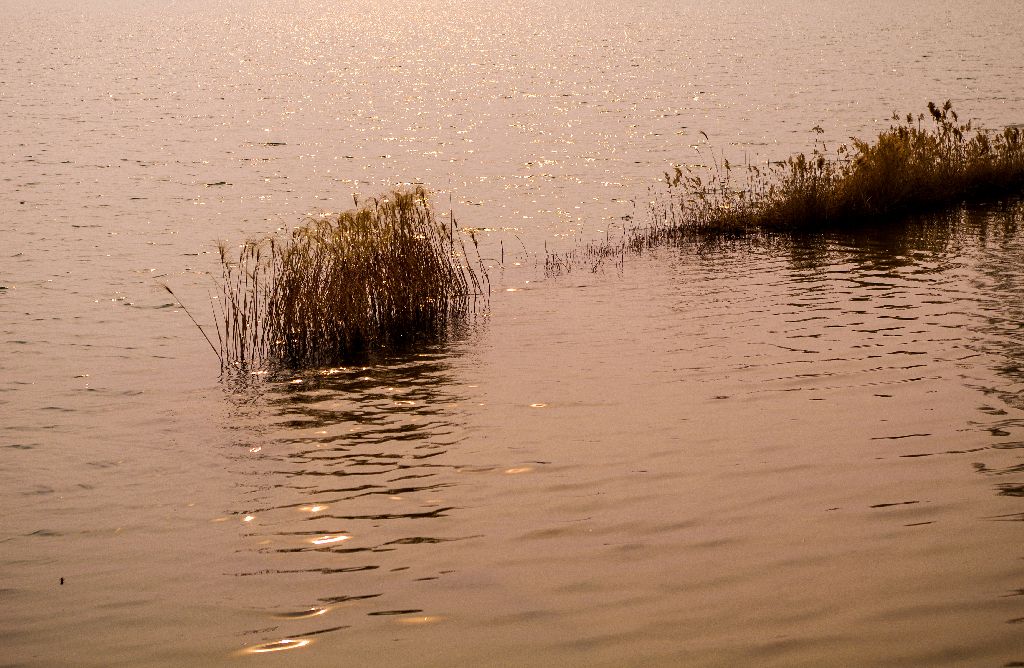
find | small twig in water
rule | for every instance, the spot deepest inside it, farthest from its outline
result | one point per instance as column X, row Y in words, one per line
column 212, row 347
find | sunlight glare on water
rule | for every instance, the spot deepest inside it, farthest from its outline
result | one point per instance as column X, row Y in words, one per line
column 762, row 452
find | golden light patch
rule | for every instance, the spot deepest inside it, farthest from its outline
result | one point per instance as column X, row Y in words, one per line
column 278, row 646
column 419, row 620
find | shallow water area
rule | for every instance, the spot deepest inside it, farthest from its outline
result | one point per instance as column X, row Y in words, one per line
column 765, row 452
column 784, row 452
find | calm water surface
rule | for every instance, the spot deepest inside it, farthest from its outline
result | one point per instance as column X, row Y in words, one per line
column 768, row 453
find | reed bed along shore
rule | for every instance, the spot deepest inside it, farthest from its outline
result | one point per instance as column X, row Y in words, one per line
column 919, row 164
column 372, row 280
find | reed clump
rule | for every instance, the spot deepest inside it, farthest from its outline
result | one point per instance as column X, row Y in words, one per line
column 919, row 163
column 374, row 279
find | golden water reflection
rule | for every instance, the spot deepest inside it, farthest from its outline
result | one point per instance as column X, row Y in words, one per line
column 278, row 646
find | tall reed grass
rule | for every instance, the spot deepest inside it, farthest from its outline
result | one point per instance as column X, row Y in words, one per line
column 375, row 279
column 918, row 164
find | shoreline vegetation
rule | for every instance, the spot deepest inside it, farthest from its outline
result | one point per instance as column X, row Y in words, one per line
column 919, row 164
column 379, row 278
column 386, row 276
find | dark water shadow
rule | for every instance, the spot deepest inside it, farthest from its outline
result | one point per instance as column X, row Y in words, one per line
column 900, row 243
column 982, row 244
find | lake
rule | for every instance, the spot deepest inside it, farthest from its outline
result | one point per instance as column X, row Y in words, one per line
column 790, row 452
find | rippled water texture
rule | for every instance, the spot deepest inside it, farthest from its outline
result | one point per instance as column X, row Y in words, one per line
column 804, row 452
